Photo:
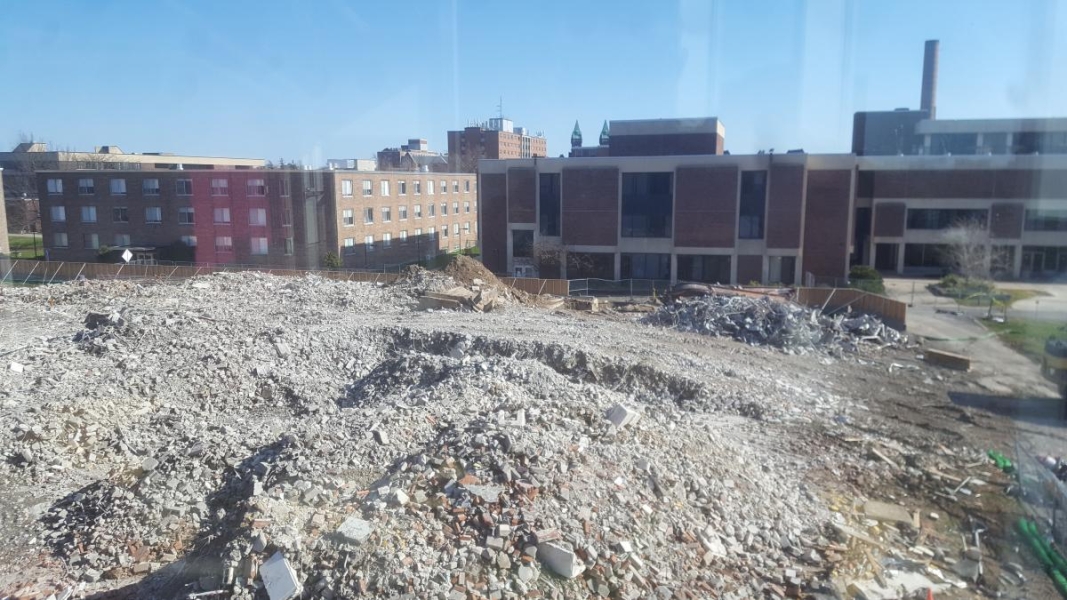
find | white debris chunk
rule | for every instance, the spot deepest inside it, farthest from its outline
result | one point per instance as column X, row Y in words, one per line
column 279, row 578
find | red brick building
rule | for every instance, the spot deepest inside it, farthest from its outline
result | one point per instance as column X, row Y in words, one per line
column 496, row 139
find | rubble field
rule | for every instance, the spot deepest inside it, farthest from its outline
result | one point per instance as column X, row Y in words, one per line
column 251, row 436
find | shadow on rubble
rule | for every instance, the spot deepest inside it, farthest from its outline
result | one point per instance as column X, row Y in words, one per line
column 1041, row 411
column 228, row 508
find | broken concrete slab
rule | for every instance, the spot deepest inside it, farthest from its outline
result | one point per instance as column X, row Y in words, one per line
column 948, row 360
column 355, row 530
column 560, row 559
column 884, row 511
column 489, row 493
column 621, row 416
column 279, row 578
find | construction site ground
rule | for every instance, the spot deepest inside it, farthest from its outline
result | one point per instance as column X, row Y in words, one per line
column 785, row 445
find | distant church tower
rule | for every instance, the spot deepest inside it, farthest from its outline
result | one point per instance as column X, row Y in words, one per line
column 604, row 135
column 576, row 136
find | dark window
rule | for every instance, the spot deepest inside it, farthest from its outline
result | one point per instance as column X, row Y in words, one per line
column 994, row 143
column 521, row 242
column 1044, row 259
column 885, row 257
column 936, row 218
column 782, row 269
column 707, row 269
column 1046, row 220
column 954, row 143
column 923, row 255
column 548, row 204
column 753, row 201
column 646, row 266
column 581, row 265
column 647, row 205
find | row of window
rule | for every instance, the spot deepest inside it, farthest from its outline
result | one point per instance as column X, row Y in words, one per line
column 402, row 187
column 154, row 214
column 348, row 216
column 223, row 243
column 150, row 187
column 387, row 238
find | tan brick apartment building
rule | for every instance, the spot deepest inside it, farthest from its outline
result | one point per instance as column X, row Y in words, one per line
column 284, row 218
column 499, row 138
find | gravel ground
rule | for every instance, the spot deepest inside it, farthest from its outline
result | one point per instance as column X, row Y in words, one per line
column 240, row 432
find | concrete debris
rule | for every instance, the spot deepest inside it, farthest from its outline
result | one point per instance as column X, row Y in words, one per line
column 355, row 530
column 763, row 321
column 16, row 367
column 279, row 578
column 884, row 511
column 621, row 416
column 562, row 561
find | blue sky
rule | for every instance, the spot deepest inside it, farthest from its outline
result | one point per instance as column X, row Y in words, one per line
column 333, row 78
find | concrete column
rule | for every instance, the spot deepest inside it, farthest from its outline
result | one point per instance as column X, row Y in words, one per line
column 926, row 144
column 674, row 268
column 1017, row 268
column 978, row 142
column 900, row 258
column 733, row 269
column 618, row 265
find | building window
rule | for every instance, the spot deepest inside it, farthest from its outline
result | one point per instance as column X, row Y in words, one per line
column 384, row 191
column 259, row 246
column 257, row 216
column 418, row 231
column 150, row 187
column 287, row 217
column 548, row 204
column 467, row 185
column 431, row 210
column 368, row 216
column 455, row 228
column 224, row 243
column 122, row 239
column 645, row 266
column 350, row 246
column 387, row 214
column 183, row 187
column 55, row 186
column 924, row 255
column 387, row 240
column 402, row 213
column 646, row 205
column 402, row 187
column 59, row 240
column 91, row 241
column 943, row 218
column 444, row 187
column 220, row 187
column 455, row 186
column 418, row 211
column 258, row 187
column 153, row 214
column 185, row 215
column 444, row 209
column 455, row 208
column 403, row 236
column 368, row 243
column 418, row 187
column 429, row 188
column 283, row 187
column 704, row 268
column 348, row 217
column 431, row 233
column 289, row 246
column 467, row 228
column 753, row 203
column 367, row 187
column 59, row 214
column 444, row 231
column 346, row 188
column 120, row 214
column 88, row 214
column 118, row 187
column 189, row 240
column 1045, row 220
column 86, row 187
column 467, row 207
column 222, row 216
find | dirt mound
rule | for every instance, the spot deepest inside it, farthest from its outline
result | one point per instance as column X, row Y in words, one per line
column 465, row 270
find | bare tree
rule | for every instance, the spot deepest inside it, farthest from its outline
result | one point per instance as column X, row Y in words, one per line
column 968, row 251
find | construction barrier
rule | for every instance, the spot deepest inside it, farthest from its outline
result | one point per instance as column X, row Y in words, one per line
column 893, row 312
column 530, row 285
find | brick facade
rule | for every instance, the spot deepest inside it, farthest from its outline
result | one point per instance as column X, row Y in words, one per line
column 706, row 207
column 826, row 222
column 785, row 206
column 591, row 206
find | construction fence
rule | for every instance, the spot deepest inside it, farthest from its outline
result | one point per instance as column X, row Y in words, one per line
column 893, row 312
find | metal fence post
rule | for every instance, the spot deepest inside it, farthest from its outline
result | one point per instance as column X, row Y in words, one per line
column 32, row 271
column 9, row 272
column 56, row 273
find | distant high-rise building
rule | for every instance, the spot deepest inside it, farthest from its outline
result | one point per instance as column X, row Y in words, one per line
column 495, row 139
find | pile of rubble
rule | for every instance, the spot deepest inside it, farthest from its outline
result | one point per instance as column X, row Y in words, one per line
column 237, row 433
column 464, row 284
column 773, row 322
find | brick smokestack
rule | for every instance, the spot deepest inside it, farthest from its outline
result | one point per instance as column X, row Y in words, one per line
column 928, row 101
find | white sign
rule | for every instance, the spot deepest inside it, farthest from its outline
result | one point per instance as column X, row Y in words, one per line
column 127, row 255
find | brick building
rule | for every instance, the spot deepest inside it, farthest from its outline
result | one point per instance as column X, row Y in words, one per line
column 284, row 218
column 499, row 138
column 412, row 156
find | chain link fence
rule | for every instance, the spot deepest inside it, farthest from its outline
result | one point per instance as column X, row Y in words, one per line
column 619, row 288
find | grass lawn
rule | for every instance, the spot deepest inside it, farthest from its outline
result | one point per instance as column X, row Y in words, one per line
column 979, row 295
column 1025, row 336
column 22, row 245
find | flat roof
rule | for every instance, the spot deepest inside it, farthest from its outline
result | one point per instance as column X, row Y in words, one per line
column 666, row 126
column 929, row 126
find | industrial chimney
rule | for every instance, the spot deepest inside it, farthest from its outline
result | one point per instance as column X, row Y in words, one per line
column 928, row 101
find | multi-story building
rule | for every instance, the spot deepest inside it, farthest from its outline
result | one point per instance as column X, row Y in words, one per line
column 352, row 164
column 280, row 218
column 5, row 248
column 498, row 138
column 412, row 156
